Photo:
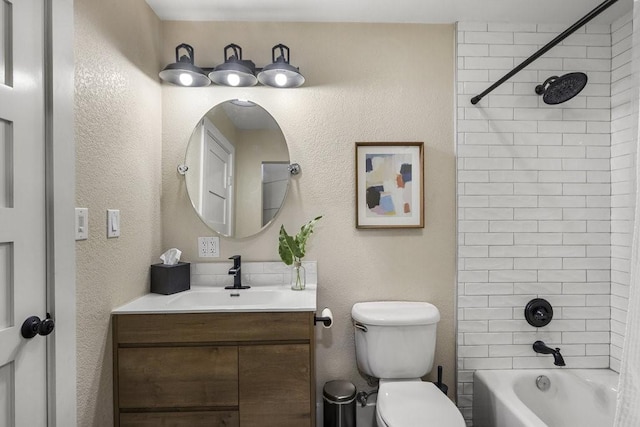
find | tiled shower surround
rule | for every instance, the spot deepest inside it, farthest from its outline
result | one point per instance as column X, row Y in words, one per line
column 544, row 198
column 624, row 134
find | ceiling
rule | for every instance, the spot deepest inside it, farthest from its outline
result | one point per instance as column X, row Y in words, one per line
column 387, row 11
column 246, row 115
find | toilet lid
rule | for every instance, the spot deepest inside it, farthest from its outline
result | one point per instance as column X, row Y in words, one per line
column 416, row 403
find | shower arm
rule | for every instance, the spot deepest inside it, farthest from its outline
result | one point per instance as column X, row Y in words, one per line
column 566, row 33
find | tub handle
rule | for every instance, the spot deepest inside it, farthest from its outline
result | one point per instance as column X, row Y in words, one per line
column 538, row 312
column 360, row 326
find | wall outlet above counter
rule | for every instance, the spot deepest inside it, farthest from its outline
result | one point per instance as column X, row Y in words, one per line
column 209, row 247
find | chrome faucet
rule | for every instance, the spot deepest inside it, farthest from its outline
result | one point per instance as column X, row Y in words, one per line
column 540, row 347
column 235, row 272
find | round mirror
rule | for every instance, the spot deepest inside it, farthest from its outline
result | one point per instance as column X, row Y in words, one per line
column 238, row 168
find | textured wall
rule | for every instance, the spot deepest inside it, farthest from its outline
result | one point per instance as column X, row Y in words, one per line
column 364, row 83
column 118, row 162
column 534, row 200
column 624, row 136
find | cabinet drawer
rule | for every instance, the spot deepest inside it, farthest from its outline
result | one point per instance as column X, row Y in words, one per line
column 178, row 377
column 212, row 327
column 181, row 419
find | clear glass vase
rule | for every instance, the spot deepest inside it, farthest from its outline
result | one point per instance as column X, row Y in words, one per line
column 298, row 277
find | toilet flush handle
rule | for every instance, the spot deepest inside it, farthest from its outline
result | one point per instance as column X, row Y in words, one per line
column 360, row 326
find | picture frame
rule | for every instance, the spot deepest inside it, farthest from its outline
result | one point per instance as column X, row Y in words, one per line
column 389, row 185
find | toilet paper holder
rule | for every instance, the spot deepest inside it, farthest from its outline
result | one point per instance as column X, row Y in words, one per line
column 326, row 318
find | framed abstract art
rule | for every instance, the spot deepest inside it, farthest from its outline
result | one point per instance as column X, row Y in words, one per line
column 389, row 178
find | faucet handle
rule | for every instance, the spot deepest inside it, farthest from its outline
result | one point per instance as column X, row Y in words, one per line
column 538, row 312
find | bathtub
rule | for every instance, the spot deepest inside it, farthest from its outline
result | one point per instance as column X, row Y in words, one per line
column 574, row 398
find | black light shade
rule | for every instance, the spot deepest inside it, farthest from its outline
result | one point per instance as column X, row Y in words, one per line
column 280, row 73
column 183, row 72
column 235, row 71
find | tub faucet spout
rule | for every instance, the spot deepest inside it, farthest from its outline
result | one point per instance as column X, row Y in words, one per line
column 541, row 347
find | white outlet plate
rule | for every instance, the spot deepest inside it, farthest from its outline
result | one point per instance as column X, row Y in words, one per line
column 209, row 247
column 82, row 223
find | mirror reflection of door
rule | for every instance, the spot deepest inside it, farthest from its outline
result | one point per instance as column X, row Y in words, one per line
column 275, row 181
column 257, row 139
column 216, row 170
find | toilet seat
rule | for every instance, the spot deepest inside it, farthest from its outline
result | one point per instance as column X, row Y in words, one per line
column 416, row 404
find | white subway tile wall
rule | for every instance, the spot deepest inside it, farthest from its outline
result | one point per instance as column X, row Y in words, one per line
column 544, row 198
column 623, row 154
column 253, row 273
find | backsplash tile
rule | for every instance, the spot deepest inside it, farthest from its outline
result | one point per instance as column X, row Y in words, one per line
column 253, row 273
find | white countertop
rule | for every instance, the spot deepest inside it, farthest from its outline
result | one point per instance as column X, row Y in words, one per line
column 210, row 299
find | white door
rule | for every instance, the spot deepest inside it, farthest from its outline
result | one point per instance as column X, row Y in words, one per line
column 23, row 396
column 217, row 183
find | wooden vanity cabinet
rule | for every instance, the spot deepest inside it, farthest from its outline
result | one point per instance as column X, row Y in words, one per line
column 214, row 369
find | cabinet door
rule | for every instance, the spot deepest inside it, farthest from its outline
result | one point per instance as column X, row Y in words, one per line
column 178, row 377
column 275, row 385
column 180, row 419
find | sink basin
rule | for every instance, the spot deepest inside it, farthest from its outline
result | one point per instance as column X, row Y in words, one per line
column 232, row 298
column 217, row 299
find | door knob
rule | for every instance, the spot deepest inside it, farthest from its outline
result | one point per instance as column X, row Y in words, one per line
column 34, row 326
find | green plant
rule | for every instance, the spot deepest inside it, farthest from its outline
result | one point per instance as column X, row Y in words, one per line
column 292, row 249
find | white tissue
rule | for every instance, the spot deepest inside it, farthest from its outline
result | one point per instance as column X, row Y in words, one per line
column 171, row 257
column 327, row 313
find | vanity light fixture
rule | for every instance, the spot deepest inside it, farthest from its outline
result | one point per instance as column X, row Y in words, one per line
column 183, row 72
column 235, row 71
column 280, row 73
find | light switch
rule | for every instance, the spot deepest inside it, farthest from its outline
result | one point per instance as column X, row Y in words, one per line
column 82, row 223
column 113, row 223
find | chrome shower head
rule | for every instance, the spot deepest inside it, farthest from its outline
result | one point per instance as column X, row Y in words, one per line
column 556, row 90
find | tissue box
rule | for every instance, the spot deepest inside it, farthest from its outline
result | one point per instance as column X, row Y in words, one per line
column 169, row 279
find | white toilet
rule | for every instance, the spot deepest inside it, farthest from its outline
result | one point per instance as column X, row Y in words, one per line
column 395, row 342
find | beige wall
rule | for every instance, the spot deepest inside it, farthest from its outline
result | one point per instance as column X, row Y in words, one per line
column 118, row 161
column 364, row 83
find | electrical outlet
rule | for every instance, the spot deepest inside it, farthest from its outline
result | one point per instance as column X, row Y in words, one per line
column 202, row 247
column 209, row 247
column 213, row 247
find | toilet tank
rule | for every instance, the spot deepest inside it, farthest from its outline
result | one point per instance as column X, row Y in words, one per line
column 395, row 339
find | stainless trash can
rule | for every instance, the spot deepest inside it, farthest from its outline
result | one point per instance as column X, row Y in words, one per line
column 339, row 404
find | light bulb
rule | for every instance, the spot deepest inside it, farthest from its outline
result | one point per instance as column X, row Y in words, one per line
column 233, row 79
column 281, row 79
column 186, row 79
